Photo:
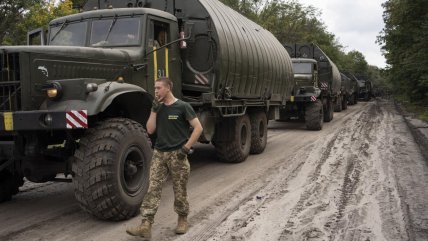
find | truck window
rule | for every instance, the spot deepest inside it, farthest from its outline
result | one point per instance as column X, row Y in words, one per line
column 160, row 34
column 302, row 68
column 68, row 34
column 115, row 32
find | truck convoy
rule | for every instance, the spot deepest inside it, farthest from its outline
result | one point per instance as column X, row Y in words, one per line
column 316, row 88
column 364, row 89
column 79, row 105
column 354, row 88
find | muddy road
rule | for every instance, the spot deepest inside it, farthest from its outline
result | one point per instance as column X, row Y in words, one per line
column 363, row 177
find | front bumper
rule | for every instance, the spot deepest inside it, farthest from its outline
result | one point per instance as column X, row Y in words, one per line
column 43, row 120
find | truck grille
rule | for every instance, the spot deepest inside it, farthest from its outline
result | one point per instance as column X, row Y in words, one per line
column 10, row 85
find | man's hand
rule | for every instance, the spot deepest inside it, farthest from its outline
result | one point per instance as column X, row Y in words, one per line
column 183, row 152
column 155, row 105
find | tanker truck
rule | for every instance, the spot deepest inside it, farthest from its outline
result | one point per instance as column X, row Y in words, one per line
column 364, row 89
column 316, row 87
column 346, row 90
column 354, row 88
column 78, row 105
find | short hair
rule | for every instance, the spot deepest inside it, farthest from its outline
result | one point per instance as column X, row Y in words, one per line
column 166, row 81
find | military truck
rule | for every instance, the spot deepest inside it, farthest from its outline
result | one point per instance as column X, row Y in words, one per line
column 79, row 105
column 364, row 89
column 346, row 90
column 353, row 97
column 316, row 88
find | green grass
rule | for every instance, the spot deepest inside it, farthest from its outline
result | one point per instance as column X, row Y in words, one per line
column 419, row 109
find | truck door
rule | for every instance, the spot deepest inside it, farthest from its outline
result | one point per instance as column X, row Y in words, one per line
column 163, row 57
column 158, row 59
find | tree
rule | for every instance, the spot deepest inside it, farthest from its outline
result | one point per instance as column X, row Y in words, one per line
column 356, row 63
column 11, row 13
column 403, row 40
column 29, row 17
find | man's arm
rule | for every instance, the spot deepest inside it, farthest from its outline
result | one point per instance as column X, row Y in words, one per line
column 151, row 123
column 197, row 131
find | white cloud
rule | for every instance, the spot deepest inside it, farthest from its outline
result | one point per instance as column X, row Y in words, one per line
column 356, row 23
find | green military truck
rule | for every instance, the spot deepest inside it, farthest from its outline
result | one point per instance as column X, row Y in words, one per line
column 346, row 90
column 364, row 89
column 316, row 88
column 79, row 104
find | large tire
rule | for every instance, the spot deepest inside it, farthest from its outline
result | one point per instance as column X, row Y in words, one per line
column 328, row 111
column 233, row 139
column 344, row 102
column 9, row 185
column 338, row 104
column 351, row 100
column 111, row 169
column 314, row 116
column 258, row 132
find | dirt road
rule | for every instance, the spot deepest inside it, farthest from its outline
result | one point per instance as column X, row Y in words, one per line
column 361, row 178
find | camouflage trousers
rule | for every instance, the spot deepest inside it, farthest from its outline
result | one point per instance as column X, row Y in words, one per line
column 163, row 164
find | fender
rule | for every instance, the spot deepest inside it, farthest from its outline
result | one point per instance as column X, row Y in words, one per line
column 99, row 100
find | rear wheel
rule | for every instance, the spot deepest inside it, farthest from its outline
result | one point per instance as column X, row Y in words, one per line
column 314, row 116
column 328, row 111
column 233, row 139
column 258, row 132
column 111, row 169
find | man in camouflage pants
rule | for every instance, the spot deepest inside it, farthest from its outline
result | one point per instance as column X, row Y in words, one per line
column 171, row 119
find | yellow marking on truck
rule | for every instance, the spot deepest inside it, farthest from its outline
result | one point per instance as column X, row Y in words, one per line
column 292, row 98
column 8, row 121
column 166, row 62
column 155, row 63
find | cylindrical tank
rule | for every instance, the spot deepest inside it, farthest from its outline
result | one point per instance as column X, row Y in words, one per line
column 229, row 54
column 346, row 84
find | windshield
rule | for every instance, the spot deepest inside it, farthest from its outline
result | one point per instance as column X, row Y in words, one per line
column 302, row 68
column 115, row 32
column 70, row 34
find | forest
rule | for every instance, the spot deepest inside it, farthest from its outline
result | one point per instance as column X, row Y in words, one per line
column 402, row 39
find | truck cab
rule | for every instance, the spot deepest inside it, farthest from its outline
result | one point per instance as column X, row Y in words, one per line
column 305, row 77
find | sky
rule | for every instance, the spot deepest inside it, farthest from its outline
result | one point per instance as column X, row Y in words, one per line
column 355, row 23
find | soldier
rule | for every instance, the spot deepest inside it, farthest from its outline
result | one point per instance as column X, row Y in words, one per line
column 171, row 118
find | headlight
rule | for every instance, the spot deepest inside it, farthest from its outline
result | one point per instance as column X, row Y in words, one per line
column 91, row 87
column 53, row 90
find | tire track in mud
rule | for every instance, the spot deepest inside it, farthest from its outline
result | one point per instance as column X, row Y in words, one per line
column 354, row 168
column 14, row 234
column 248, row 205
column 350, row 160
column 245, row 229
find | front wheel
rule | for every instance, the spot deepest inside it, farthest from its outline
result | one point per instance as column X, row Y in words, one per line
column 338, row 104
column 344, row 102
column 314, row 116
column 111, row 169
column 328, row 111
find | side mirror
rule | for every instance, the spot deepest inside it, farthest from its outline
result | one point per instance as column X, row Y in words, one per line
column 36, row 37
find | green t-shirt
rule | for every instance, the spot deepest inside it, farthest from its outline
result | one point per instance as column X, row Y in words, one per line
column 172, row 125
